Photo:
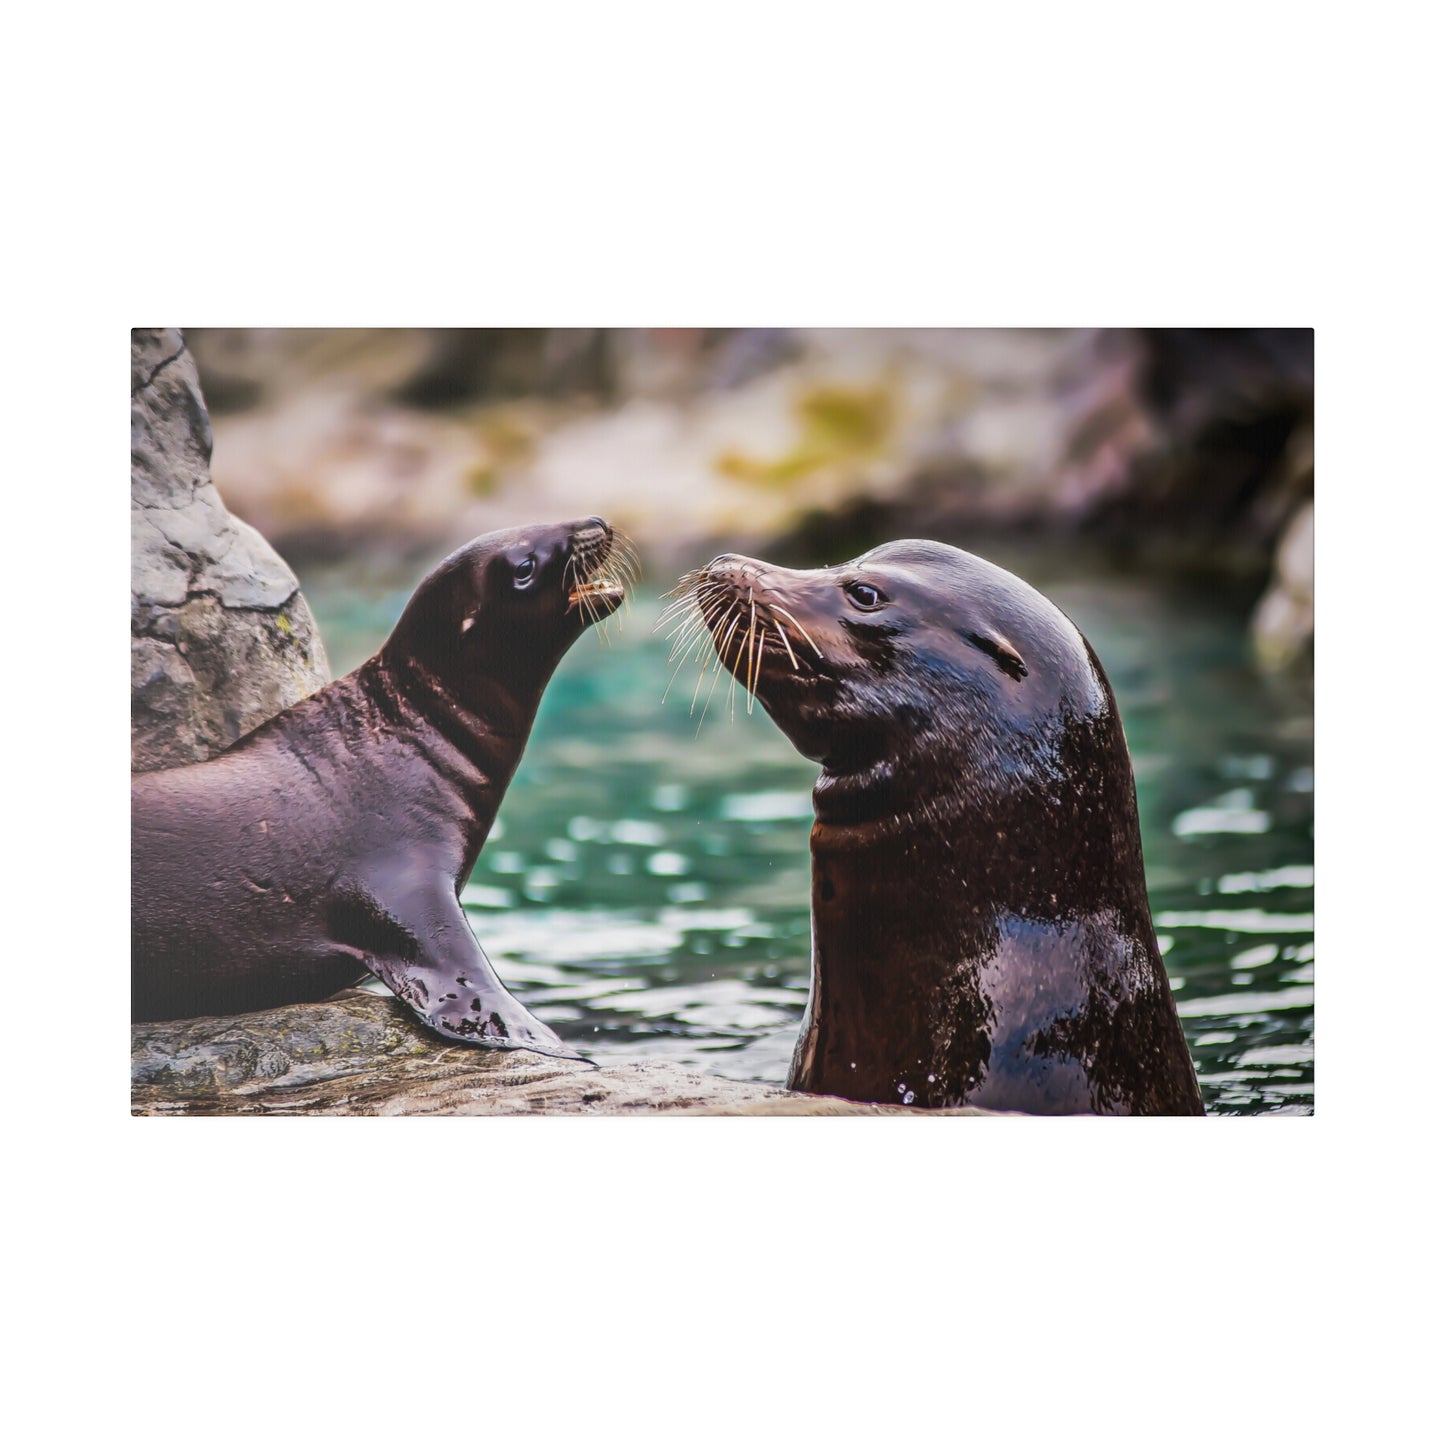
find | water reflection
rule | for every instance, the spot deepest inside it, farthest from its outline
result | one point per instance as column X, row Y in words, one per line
column 645, row 890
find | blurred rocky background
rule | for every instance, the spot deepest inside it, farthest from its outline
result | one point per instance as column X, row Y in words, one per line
column 1179, row 450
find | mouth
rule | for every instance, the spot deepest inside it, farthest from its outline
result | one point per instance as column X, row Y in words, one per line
column 601, row 568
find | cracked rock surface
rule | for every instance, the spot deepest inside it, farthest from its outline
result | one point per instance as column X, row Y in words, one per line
column 221, row 637
column 361, row 1053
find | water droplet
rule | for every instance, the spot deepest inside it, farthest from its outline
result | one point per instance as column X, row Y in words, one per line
column 930, row 1078
column 908, row 1097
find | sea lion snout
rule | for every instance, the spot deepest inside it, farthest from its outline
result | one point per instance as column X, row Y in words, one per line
column 591, row 533
column 735, row 570
column 751, row 610
column 600, row 566
column 751, row 581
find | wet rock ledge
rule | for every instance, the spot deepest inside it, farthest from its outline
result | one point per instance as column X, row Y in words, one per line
column 362, row 1054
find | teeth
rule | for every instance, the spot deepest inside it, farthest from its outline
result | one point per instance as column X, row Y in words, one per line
column 598, row 586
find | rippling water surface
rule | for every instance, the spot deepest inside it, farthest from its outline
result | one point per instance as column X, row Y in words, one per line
column 645, row 888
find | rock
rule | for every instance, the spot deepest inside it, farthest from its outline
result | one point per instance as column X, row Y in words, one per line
column 1193, row 445
column 221, row 637
column 363, row 1053
column 1282, row 631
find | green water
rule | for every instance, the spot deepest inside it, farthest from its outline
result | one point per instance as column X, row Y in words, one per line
column 645, row 889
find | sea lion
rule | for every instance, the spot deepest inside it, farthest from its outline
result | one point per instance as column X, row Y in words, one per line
column 333, row 840
column 981, row 932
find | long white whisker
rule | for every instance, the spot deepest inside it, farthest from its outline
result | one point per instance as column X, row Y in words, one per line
column 800, row 628
column 730, row 664
column 752, row 629
column 779, row 628
column 693, row 634
column 721, row 654
column 683, row 606
column 707, row 703
column 687, row 632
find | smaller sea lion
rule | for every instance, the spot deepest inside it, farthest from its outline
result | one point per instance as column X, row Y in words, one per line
column 334, row 840
column 981, row 931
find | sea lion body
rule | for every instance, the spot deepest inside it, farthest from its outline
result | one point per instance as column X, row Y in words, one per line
column 981, row 930
column 333, row 840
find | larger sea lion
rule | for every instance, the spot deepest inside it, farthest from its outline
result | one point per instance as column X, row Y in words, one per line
column 333, row 840
column 981, row 932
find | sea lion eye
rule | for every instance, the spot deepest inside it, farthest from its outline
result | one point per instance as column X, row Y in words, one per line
column 861, row 595
column 523, row 572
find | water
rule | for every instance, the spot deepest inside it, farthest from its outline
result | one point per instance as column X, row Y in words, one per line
column 645, row 888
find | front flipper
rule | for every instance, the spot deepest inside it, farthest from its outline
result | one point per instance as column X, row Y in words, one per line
column 420, row 945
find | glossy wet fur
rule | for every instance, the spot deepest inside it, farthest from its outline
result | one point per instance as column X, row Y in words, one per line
column 981, row 931
column 333, row 840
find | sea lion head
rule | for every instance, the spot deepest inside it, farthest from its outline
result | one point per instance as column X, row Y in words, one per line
column 509, row 604
column 914, row 671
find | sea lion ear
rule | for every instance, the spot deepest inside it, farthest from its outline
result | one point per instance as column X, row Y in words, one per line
column 1002, row 651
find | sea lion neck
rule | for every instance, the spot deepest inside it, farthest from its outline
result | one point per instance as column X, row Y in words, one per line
column 940, row 929
column 488, row 706
column 469, row 749
column 1018, row 834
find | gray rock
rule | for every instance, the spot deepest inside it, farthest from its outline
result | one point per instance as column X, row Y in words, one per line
column 221, row 637
column 362, row 1053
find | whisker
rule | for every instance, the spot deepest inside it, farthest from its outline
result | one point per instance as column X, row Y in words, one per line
column 687, row 631
column 752, row 629
column 707, row 702
column 679, row 616
column 779, row 626
column 800, row 628
column 697, row 687
column 695, row 634
column 677, row 668
column 730, row 663
column 687, row 582
column 694, row 646
column 683, row 604
column 704, row 607
column 721, row 655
